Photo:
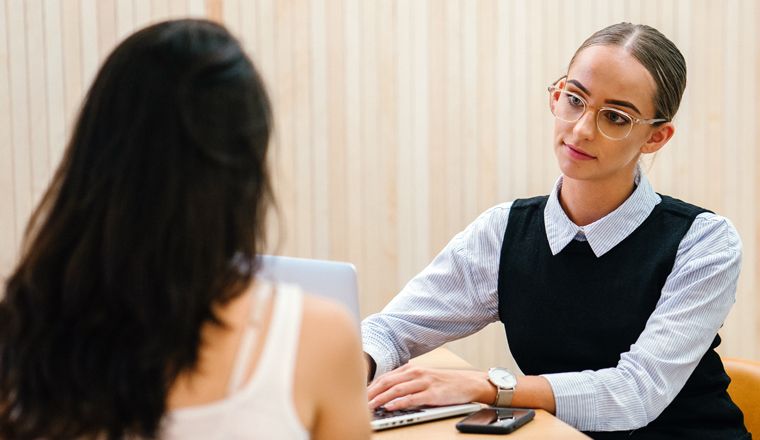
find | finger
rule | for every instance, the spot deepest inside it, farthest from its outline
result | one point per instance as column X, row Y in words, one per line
column 389, row 380
column 409, row 401
column 397, row 391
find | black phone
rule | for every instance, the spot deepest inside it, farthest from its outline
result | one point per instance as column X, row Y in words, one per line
column 496, row 420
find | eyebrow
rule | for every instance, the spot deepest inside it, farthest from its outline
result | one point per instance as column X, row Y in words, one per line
column 608, row 101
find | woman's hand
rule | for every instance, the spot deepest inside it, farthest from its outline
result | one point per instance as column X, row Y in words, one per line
column 414, row 386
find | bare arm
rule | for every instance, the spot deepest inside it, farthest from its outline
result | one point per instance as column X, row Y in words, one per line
column 336, row 373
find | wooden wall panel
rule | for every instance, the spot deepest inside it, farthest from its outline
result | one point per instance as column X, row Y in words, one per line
column 8, row 237
column 398, row 122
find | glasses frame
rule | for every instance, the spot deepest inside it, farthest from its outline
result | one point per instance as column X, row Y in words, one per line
column 634, row 120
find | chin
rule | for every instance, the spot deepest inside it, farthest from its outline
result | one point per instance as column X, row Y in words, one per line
column 574, row 170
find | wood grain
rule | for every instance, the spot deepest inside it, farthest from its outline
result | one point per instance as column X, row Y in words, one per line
column 398, row 122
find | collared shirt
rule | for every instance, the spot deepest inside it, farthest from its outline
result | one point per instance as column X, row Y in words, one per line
column 456, row 295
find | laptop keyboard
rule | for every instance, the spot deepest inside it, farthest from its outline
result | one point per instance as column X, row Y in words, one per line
column 382, row 413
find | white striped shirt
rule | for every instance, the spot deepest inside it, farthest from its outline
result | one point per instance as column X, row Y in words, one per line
column 456, row 295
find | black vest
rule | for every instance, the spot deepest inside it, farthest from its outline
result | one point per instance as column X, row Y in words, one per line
column 573, row 312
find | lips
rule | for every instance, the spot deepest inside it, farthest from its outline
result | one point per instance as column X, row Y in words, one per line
column 577, row 152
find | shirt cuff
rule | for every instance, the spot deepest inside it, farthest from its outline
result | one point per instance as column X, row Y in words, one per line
column 385, row 357
column 574, row 399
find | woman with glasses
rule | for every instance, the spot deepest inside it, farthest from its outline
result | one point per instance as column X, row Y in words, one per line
column 136, row 310
column 611, row 295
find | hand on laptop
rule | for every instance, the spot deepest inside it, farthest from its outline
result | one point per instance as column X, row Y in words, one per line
column 410, row 386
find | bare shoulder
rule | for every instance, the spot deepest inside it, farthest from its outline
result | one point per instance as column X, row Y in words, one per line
column 330, row 388
column 328, row 324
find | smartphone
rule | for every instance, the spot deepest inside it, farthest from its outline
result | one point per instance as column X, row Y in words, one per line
column 495, row 420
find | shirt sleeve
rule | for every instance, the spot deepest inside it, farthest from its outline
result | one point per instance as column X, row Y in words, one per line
column 695, row 300
column 451, row 298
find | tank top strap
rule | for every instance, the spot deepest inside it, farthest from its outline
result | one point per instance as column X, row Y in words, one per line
column 278, row 358
column 261, row 294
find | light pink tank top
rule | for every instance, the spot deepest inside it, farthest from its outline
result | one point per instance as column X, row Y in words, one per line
column 262, row 407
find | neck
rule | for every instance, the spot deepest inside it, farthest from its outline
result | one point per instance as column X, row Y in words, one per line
column 587, row 201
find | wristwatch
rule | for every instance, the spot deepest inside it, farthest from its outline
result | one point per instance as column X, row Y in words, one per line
column 505, row 383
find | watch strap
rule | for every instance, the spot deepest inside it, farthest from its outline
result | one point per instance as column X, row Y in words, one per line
column 503, row 397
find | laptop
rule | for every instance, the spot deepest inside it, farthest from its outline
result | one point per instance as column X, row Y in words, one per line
column 332, row 279
column 337, row 280
column 383, row 419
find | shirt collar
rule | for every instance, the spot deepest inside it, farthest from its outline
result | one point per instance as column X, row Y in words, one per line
column 605, row 233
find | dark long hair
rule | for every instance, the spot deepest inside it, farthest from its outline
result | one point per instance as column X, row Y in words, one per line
column 160, row 196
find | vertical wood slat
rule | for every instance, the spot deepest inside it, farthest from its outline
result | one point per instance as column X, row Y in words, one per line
column 264, row 58
column 397, row 123
column 319, row 111
column 503, row 87
column 748, row 326
column 754, row 288
column 37, row 96
column 354, row 165
column 142, row 13
column 437, row 148
column 8, row 237
column 455, row 147
column 88, row 40
column 125, row 19
column 231, row 16
column 336, row 130
column 19, row 105
column 196, row 8
column 283, row 115
column 302, row 179
column 214, row 9
column 54, row 85
column 419, row 129
column 159, row 10
column 177, row 8
column 469, row 116
column 728, row 144
column 369, row 131
column 405, row 161
column 105, row 17
column 248, row 26
column 72, row 66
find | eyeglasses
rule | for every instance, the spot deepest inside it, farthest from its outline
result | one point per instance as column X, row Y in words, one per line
column 612, row 123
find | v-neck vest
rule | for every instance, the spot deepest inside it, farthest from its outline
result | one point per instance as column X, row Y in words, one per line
column 575, row 311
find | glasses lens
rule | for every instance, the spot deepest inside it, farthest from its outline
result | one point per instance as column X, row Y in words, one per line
column 613, row 123
column 566, row 106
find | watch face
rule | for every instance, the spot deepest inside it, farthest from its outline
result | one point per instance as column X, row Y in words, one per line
column 502, row 378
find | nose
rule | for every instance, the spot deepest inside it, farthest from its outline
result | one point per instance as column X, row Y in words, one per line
column 585, row 127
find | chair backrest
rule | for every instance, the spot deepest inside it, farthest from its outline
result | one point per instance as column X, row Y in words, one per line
column 745, row 390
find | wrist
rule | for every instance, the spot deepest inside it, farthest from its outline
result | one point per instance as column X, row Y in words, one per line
column 505, row 382
column 485, row 391
column 371, row 367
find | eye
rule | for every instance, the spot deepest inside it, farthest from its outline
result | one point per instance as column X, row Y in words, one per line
column 573, row 100
column 617, row 118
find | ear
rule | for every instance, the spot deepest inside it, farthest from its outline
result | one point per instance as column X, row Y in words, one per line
column 658, row 138
column 559, row 84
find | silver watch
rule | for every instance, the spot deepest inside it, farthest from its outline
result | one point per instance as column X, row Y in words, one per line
column 505, row 383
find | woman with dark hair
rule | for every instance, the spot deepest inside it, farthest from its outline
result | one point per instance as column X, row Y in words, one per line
column 135, row 310
column 611, row 295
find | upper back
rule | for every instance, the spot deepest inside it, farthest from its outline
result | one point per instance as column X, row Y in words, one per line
column 297, row 374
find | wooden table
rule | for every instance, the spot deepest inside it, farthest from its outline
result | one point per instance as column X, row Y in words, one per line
column 543, row 426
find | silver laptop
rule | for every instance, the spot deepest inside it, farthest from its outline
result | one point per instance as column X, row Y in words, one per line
column 331, row 279
column 337, row 280
column 382, row 419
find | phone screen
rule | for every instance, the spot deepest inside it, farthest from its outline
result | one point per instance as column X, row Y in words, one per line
column 495, row 420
